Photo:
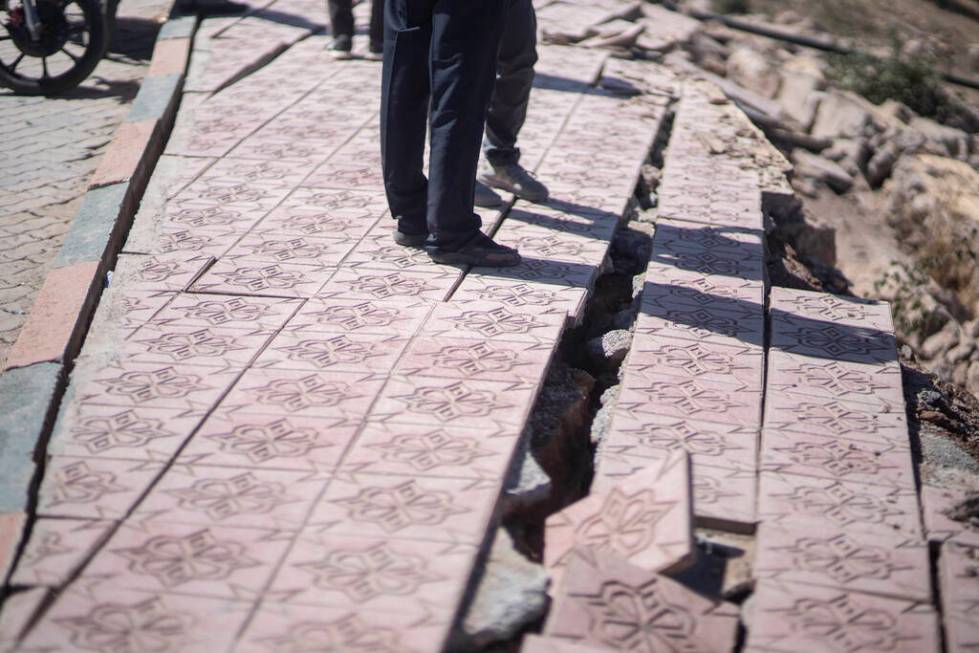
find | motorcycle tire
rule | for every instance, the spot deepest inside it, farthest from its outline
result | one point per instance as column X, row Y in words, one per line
column 95, row 48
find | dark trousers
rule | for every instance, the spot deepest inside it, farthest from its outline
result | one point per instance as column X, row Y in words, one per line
column 439, row 56
column 342, row 19
column 514, row 78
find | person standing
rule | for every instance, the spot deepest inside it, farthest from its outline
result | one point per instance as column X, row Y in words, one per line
column 342, row 27
column 443, row 54
column 508, row 111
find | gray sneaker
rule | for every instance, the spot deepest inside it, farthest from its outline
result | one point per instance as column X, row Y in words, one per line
column 486, row 197
column 513, row 178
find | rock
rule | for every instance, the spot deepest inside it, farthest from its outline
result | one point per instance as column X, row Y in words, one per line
column 851, row 154
column 974, row 56
column 799, row 96
column 624, row 319
column 528, row 487
column 972, row 378
column 842, row 114
column 941, row 139
column 960, row 374
column 511, row 594
column 752, row 70
column 817, row 167
column 881, row 164
column 607, row 351
column 970, row 329
column 961, row 352
column 603, row 418
column 939, row 343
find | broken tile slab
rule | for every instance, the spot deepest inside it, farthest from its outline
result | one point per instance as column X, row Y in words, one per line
column 834, row 341
column 489, row 360
column 959, row 578
column 228, row 496
column 655, row 436
column 495, row 320
column 814, row 553
column 745, row 325
column 319, row 352
column 94, row 488
column 161, row 272
column 660, row 355
column 436, row 401
column 377, row 317
column 837, row 418
column 286, row 441
column 789, row 617
column 374, row 573
column 57, row 548
column 739, row 267
column 555, row 273
column 18, row 610
column 705, row 400
column 858, row 461
column 842, row 504
column 517, row 293
column 549, row 243
column 241, row 276
column 835, row 379
column 286, row 627
column 86, row 619
column 938, row 506
column 538, row 644
column 480, row 451
column 402, row 285
column 188, row 559
column 789, row 305
column 611, row 604
column 645, row 519
column 726, row 497
column 672, row 286
column 412, row 507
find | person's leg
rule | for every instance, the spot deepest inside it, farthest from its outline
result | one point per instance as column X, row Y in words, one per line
column 515, row 77
column 376, row 30
column 341, row 23
column 404, row 109
column 465, row 41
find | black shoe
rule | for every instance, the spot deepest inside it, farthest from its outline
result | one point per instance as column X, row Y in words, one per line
column 480, row 250
column 514, row 178
column 214, row 7
column 341, row 46
column 410, row 240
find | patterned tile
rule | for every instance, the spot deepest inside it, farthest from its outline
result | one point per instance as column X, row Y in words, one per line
column 657, row 355
column 319, row 352
column 517, row 293
column 835, row 418
column 726, row 497
column 479, row 450
column 494, row 320
column 834, row 379
column 413, row 507
column 537, row 644
column 466, row 402
column 94, row 488
column 56, row 549
column 284, row 441
column 360, row 317
column 252, row 314
column 266, row 247
column 699, row 399
column 789, row 305
column 836, row 341
column 152, row 385
column 164, row 272
column 301, row 393
column 401, row 285
column 645, row 519
column 380, row 252
column 119, row 619
column 938, row 505
column 858, row 461
column 241, row 276
column 472, row 359
column 783, row 620
column 346, row 176
column 375, row 574
column 554, row 243
column 743, row 325
column 202, row 561
column 208, row 495
column 614, row 605
column 844, row 505
column 194, row 346
column 675, row 287
column 958, row 571
column 812, row 553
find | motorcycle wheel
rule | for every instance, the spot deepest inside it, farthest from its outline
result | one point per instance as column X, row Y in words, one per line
column 73, row 39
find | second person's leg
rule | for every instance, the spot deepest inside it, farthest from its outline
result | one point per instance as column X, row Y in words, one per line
column 341, row 26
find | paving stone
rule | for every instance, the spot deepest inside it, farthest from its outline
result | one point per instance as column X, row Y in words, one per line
column 617, row 606
column 93, row 225
column 939, row 527
column 57, row 548
column 792, row 617
column 725, row 322
column 645, row 519
column 496, row 320
column 813, row 553
column 93, row 488
column 811, row 377
column 843, row 504
column 380, row 317
column 876, row 424
column 469, row 359
column 653, row 355
column 699, row 399
column 540, row 296
column 959, row 578
column 538, row 644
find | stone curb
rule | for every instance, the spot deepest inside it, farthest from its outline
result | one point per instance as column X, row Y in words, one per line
column 33, row 377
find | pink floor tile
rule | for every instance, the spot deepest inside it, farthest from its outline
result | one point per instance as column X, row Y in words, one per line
column 163, row 272
column 202, row 561
column 493, row 320
column 268, row 247
column 811, row 553
column 260, row 174
column 782, row 619
column 319, row 352
column 704, row 400
column 538, row 644
column 360, row 316
column 346, row 176
column 378, row 251
column 301, row 393
column 374, row 574
column 57, row 548
column 859, row 461
column 471, row 359
column 94, row 488
column 152, row 385
column 856, row 506
column 835, row 379
column 452, row 450
column 823, row 307
column 426, row 508
column 682, row 287
column 263, row 278
column 516, row 293
column 743, row 326
column 842, row 419
column 247, row 313
column 228, row 496
column 464, row 402
column 401, row 285
column 658, row 355
column 548, row 243
column 193, row 346
column 288, row 441
column 829, row 340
